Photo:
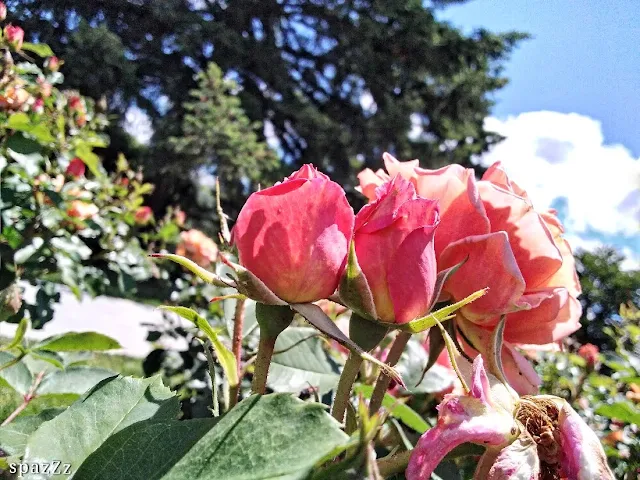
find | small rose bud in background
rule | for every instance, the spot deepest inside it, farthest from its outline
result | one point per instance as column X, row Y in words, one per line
column 14, row 36
column 180, row 217
column 53, row 63
column 195, row 245
column 394, row 246
column 75, row 103
column 38, row 106
column 143, row 215
column 590, row 353
column 3, row 11
column 295, row 236
column 76, row 168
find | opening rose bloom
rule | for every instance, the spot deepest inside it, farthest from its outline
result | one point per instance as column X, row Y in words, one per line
column 509, row 247
column 527, row 438
column 394, row 246
column 294, row 236
column 195, row 245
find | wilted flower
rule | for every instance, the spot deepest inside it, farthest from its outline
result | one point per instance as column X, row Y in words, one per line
column 294, row 236
column 195, row 245
column 76, row 168
column 143, row 215
column 393, row 240
column 14, row 36
column 529, row 437
column 505, row 245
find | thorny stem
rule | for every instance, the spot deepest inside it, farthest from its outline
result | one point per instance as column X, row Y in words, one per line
column 401, row 340
column 31, row 394
column 236, row 348
column 343, row 392
column 212, row 373
column 395, row 463
column 262, row 362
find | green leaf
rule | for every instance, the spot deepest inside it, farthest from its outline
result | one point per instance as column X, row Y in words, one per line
column 623, row 411
column 303, row 363
column 40, row 49
column 397, row 409
column 270, row 436
column 74, row 341
column 50, row 357
column 17, row 376
column 91, row 160
column 30, row 162
column 225, row 356
column 144, row 450
column 411, row 366
column 114, row 404
column 13, row 437
column 73, row 380
column 23, row 326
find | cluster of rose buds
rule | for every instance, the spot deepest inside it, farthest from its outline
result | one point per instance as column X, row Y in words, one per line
column 508, row 246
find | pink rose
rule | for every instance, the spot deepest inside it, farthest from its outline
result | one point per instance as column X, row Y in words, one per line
column 14, row 36
column 394, row 246
column 143, row 215
column 509, row 247
column 76, row 168
column 295, row 235
column 195, row 245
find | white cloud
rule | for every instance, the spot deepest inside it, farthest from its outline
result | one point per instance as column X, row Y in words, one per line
column 562, row 159
column 138, row 125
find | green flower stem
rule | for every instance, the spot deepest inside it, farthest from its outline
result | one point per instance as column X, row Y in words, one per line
column 262, row 363
column 383, row 380
column 212, row 373
column 343, row 393
column 393, row 464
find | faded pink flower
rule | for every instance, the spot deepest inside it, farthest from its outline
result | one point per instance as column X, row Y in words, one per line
column 143, row 215
column 529, row 437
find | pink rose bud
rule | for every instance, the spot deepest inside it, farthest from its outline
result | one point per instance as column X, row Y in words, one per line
column 180, row 217
column 3, row 11
column 53, row 63
column 394, row 247
column 75, row 103
column 14, row 36
column 38, row 106
column 590, row 353
column 76, row 168
column 143, row 215
column 295, row 235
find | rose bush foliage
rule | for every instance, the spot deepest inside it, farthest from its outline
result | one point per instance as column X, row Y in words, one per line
column 438, row 272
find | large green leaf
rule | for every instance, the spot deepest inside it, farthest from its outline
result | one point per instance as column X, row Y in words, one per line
column 13, row 437
column 40, row 49
column 74, row 341
column 111, row 406
column 74, row 380
column 17, row 376
column 411, row 366
column 302, row 363
column 145, row 450
column 271, row 436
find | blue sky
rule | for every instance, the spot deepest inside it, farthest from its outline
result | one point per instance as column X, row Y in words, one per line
column 571, row 113
column 584, row 57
